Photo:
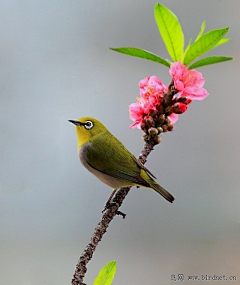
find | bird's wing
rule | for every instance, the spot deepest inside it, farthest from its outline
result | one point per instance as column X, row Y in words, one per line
column 108, row 155
column 142, row 166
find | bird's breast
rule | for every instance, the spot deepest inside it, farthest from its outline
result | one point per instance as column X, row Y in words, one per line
column 82, row 153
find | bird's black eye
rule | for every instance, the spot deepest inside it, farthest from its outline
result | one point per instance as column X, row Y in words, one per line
column 88, row 125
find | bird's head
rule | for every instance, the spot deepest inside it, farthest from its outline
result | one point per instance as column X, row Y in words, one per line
column 87, row 128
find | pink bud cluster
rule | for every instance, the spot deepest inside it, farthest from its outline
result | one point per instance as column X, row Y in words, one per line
column 158, row 106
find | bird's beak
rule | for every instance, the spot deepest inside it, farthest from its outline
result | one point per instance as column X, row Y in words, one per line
column 77, row 123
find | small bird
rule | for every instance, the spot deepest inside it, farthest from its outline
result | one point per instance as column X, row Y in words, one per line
column 107, row 158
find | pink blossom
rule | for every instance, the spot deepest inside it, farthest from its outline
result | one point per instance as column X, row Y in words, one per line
column 136, row 113
column 151, row 86
column 151, row 90
column 189, row 83
column 173, row 117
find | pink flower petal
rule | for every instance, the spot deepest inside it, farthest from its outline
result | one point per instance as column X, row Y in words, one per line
column 136, row 112
column 136, row 125
column 173, row 117
column 197, row 94
column 142, row 83
column 189, row 83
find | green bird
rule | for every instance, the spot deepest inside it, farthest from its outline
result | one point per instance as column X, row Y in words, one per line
column 107, row 158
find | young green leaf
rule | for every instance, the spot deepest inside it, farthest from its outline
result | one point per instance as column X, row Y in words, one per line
column 168, row 61
column 222, row 41
column 187, row 48
column 106, row 274
column 201, row 30
column 205, row 43
column 170, row 30
column 142, row 54
column 209, row 60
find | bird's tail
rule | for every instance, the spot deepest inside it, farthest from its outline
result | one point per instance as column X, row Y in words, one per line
column 157, row 187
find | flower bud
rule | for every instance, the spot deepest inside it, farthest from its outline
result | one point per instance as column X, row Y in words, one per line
column 161, row 119
column 143, row 127
column 153, row 132
column 164, row 127
column 157, row 139
column 179, row 108
column 144, row 136
column 167, row 121
column 149, row 121
column 184, row 100
column 160, row 130
column 170, row 127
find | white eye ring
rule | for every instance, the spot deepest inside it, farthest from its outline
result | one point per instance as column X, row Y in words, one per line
column 88, row 125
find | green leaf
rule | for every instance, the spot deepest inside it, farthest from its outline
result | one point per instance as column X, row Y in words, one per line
column 209, row 60
column 170, row 30
column 142, row 54
column 222, row 41
column 106, row 274
column 201, row 30
column 187, row 48
column 205, row 43
column 168, row 61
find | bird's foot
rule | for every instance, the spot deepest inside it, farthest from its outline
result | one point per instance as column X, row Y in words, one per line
column 111, row 204
column 119, row 213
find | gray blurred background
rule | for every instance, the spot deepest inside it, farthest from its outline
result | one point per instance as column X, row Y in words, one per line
column 56, row 65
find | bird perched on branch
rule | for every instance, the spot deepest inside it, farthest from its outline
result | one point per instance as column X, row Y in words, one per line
column 107, row 158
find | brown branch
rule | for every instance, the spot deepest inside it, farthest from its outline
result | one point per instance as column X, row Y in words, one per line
column 100, row 230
